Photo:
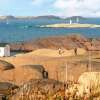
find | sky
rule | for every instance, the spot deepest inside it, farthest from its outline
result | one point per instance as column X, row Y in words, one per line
column 64, row 8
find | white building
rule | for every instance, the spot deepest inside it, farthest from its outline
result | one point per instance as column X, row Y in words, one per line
column 4, row 50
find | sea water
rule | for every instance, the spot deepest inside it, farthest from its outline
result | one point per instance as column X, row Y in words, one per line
column 28, row 29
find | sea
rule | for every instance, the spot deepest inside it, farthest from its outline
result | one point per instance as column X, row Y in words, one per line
column 18, row 30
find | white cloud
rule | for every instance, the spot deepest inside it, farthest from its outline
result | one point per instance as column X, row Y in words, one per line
column 37, row 2
column 78, row 7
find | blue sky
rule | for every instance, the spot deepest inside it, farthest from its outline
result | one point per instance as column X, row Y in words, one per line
column 26, row 7
column 87, row 8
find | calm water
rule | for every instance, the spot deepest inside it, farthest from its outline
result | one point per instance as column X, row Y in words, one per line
column 16, row 30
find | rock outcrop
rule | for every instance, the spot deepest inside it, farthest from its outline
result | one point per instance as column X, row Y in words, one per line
column 5, row 65
column 67, row 42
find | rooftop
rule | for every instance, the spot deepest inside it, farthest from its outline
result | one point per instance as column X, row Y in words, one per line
column 3, row 44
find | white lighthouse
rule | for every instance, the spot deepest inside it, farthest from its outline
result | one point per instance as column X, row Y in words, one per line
column 70, row 21
column 77, row 20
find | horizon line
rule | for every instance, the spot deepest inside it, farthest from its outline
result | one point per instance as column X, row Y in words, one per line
column 49, row 15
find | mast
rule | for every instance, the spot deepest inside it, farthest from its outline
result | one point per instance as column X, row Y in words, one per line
column 66, row 72
column 90, row 56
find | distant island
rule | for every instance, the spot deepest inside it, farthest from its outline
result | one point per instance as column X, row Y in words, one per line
column 28, row 17
column 38, row 17
column 74, row 25
column 52, row 17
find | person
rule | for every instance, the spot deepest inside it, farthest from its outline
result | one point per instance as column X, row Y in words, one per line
column 87, row 66
column 45, row 74
column 4, row 97
column 59, row 51
column 75, row 51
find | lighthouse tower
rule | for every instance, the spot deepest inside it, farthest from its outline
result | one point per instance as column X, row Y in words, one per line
column 70, row 21
column 77, row 20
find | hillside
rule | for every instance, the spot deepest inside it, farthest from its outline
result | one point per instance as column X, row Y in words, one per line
column 39, row 17
column 6, row 17
column 29, row 17
column 55, row 42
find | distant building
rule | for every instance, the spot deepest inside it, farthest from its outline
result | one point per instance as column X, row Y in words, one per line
column 4, row 50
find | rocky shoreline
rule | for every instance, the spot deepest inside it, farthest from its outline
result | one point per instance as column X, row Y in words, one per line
column 46, row 74
column 55, row 42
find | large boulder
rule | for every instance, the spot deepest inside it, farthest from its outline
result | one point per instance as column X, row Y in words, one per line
column 5, row 65
column 6, row 88
column 39, row 68
column 22, row 74
column 26, row 72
